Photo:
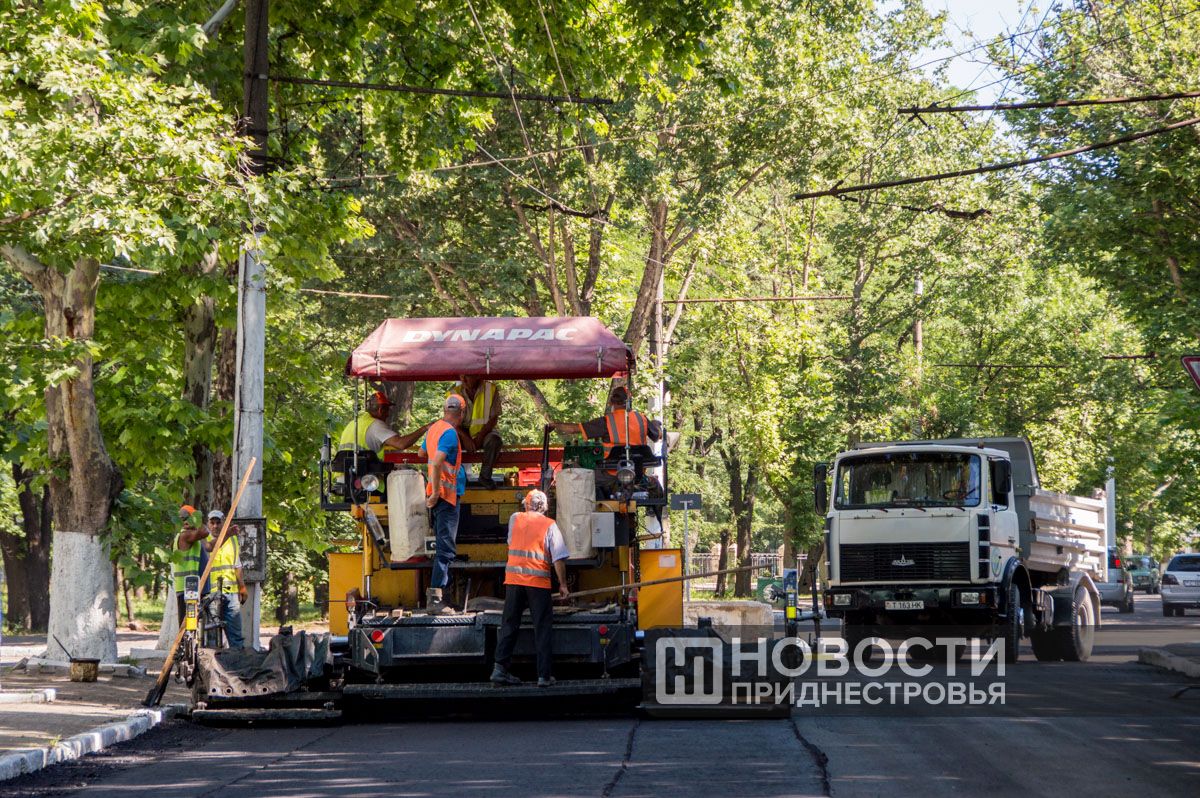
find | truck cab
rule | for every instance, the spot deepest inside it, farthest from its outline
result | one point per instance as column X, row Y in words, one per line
column 959, row 533
column 923, row 529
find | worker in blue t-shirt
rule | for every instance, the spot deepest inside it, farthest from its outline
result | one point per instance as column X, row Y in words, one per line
column 447, row 481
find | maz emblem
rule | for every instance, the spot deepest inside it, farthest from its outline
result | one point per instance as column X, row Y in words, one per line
column 903, row 562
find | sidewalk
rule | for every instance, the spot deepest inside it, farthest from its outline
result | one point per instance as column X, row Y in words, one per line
column 1181, row 658
column 78, row 707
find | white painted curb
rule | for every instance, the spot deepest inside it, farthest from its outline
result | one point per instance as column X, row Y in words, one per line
column 99, row 738
column 1172, row 662
column 45, row 696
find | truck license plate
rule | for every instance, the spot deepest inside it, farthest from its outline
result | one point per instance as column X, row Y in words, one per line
column 1191, row 583
column 904, row 605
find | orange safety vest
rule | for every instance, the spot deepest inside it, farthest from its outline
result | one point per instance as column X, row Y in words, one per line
column 448, row 479
column 528, row 559
column 617, row 425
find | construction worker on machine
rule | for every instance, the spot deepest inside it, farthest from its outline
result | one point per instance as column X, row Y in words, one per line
column 535, row 544
column 478, row 428
column 370, row 432
column 616, row 428
column 446, row 482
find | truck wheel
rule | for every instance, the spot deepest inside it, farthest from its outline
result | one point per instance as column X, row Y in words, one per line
column 854, row 634
column 1075, row 641
column 1127, row 607
column 1012, row 626
column 1045, row 645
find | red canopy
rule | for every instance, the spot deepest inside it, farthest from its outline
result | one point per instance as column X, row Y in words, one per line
column 560, row 347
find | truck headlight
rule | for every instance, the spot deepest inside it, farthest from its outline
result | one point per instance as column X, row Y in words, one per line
column 370, row 483
column 968, row 597
column 625, row 472
column 841, row 599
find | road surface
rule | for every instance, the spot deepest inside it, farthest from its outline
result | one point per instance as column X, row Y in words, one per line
column 1106, row 727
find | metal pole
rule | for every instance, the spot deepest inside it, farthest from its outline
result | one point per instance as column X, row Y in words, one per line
column 252, row 303
column 687, row 591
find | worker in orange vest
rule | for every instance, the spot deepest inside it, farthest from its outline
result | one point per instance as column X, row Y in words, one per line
column 535, row 545
column 447, row 481
column 619, row 426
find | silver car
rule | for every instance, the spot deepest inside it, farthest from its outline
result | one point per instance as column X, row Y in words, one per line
column 1181, row 584
column 1117, row 590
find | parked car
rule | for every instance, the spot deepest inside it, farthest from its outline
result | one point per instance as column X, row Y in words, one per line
column 1144, row 570
column 1117, row 591
column 1181, row 584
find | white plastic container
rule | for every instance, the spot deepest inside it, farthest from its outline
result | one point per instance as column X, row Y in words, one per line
column 576, row 494
column 408, row 518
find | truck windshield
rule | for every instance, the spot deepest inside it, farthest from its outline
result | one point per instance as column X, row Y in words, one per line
column 908, row 479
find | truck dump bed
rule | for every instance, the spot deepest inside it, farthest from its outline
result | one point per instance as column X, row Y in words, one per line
column 1064, row 531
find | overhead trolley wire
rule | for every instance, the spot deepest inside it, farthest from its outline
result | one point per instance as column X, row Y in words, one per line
column 997, row 167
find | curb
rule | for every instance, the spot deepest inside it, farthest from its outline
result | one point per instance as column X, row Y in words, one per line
column 1161, row 658
column 45, row 696
column 21, row 762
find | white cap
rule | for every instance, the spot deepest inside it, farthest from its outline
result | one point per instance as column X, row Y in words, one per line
column 217, row 514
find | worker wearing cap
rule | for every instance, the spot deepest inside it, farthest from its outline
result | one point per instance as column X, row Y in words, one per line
column 478, row 427
column 447, row 481
column 370, row 430
column 226, row 575
column 618, row 427
column 188, row 555
column 535, row 545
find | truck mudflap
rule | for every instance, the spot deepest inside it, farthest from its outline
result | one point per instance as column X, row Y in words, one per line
column 705, row 673
column 292, row 663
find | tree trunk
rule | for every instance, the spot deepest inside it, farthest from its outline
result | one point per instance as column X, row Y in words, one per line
column 722, row 560
column 656, row 259
column 84, row 482
column 27, row 558
column 116, row 577
column 200, row 343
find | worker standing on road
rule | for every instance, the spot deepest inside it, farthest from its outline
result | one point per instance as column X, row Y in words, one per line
column 370, row 430
column 618, row 427
column 226, row 574
column 478, row 426
column 447, row 480
column 188, row 555
column 534, row 544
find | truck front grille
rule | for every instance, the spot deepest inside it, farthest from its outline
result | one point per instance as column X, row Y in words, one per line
column 904, row 562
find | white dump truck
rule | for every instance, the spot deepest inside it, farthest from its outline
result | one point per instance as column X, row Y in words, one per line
column 920, row 534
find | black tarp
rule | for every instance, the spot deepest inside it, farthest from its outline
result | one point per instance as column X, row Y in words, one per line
column 290, row 663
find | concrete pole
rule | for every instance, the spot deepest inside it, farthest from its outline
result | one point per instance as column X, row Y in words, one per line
column 658, row 399
column 918, row 334
column 252, row 307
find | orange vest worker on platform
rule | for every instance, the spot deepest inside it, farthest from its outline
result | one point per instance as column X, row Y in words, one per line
column 446, row 481
column 535, row 546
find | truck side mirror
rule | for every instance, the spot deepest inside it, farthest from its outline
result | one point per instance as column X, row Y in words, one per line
column 820, row 492
column 1002, row 481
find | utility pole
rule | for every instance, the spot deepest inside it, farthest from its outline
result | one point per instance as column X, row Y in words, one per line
column 252, row 303
column 658, row 400
column 918, row 334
